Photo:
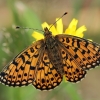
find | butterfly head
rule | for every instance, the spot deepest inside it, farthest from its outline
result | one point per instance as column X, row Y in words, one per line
column 47, row 33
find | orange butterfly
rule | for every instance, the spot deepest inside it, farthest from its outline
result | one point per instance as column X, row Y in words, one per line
column 45, row 62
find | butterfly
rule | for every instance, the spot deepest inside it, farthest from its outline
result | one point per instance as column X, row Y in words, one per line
column 44, row 63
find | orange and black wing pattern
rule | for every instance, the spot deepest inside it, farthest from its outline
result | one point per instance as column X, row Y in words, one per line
column 46, row 76
column 34, row 66
column 21, row 70
column 31, row 66
column 79, row 55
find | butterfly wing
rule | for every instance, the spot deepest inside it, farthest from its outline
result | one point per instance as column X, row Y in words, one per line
column 72, row 70
column 21, row 70
column 46, row 76
column 31, row 66
column 78, row 56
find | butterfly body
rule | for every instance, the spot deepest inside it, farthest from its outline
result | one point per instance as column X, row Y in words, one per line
column 45, row 62
column 54, row 53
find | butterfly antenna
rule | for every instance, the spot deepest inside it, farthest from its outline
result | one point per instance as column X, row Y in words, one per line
column 18, row 27
column 58, row 19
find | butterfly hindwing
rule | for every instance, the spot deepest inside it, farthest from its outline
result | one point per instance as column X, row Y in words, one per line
column 72, row 70
column 46, row 76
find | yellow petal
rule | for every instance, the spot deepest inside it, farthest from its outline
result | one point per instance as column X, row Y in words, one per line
column 73, row 24
column 53, row 30
column 72, row 27
column 44, row 25
column 37, row 35
column 80, row 35
column 79, row 31
column 70, row 31
column 59, row 26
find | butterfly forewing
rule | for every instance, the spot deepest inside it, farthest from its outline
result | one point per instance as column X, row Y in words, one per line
column 21, row 70
column 85, row 52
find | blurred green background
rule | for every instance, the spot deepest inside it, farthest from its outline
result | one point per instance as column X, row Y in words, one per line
column 32, row 13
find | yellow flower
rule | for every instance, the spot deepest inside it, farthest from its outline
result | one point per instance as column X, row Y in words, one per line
column 71, row 30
